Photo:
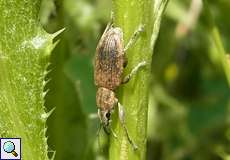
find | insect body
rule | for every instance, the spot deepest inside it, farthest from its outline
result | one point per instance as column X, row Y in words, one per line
column 110, row 59
column 110, row 62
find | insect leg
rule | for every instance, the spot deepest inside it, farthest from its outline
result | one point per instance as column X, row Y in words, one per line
column 110, row 24
column 121, row 113
column 99, row 129
column 113, row 133
column 134, row 37
column 112, row 16
column 111, row 129
column 98, row 136
column 133, row 72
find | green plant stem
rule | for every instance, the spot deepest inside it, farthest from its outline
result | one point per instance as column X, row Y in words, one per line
column 24, row 51
column 129, row 15
column 216, row 40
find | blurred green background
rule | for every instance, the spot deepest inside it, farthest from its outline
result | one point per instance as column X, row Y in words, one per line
column 189, row 105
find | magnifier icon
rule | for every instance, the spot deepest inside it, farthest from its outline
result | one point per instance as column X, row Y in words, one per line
column 9, row 147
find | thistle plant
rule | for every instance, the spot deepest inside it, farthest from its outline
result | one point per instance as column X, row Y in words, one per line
column 24, row 56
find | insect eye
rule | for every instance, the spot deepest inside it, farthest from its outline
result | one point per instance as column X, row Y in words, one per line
column 107, row 115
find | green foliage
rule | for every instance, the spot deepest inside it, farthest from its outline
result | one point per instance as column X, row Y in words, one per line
column 24, row 52
column 188, row 98
column 72, row 73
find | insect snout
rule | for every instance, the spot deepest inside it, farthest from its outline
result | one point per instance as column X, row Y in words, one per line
column 105, row 116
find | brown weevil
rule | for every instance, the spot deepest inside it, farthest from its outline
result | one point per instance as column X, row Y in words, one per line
column 110, row 62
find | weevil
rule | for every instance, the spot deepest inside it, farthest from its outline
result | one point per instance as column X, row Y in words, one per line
column 110, row 61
